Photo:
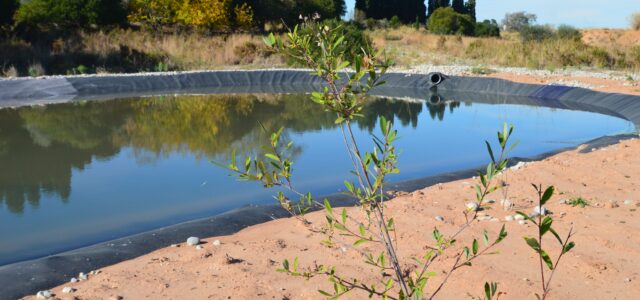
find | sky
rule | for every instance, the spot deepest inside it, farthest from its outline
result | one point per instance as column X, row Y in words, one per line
column 578, row 13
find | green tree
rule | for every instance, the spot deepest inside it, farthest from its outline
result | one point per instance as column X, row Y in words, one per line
column 9, row 8
column 360, row 10
column 71, row 13
column 447, row 21
column 488, row 28
column 470, row 9
column 458, row 6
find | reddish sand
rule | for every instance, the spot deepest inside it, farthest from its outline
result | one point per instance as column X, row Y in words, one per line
column 604, row 264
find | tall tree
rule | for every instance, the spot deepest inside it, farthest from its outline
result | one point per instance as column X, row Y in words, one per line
column 9, row 8
column 470, row 8
column 435, row 4
column 339, row 8
column 458, row 6
column 360, row 12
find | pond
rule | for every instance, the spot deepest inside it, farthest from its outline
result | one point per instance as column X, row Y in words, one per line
column 79, row 173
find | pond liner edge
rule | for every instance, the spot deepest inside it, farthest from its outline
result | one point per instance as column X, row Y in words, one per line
column 28, row 277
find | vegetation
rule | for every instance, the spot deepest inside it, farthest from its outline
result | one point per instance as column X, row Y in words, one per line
column 487, row 28
column 635, row 21
column 71, row 13
column 579, row 201
column 518, row 20
column 448, row 21
column 9, row 8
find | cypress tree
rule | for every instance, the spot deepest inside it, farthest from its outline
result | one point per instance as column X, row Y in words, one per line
column 360, row 12
column 339, row 8
column 459, row 6
column 470, row 8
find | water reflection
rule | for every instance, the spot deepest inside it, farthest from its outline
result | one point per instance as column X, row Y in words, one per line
column 41, row 146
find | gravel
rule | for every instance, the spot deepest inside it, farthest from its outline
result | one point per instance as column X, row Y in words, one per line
column 68, row 290
column 82, row 276
column 439, row 218
column 216, row 243
column 44, row 295
column 193, row 241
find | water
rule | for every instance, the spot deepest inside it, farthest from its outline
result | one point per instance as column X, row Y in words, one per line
column 76, row 174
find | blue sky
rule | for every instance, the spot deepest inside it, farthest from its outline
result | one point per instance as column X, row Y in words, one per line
column 579, row 13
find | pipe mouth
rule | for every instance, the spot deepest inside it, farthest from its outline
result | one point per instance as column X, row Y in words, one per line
column 435, row 99
column 435, row 78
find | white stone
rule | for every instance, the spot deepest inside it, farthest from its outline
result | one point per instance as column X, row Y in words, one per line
column 199, row 247
column 518, row 217
column 216, row 243
column 628, row 202
column 563, row 201
column 73, row 280
column 540, row 210
column 193, row 241
column 68, row 290
column 522, row 222
column 82, row 276
column 473, row 206
column 508, row 218
column 44, row 295
column 439, row 218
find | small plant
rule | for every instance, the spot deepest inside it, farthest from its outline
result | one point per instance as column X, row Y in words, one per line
column 479, row 70
column 544, row 226
column 161, row 67
column 579, row 201
column 394, row 22
column 80, row 69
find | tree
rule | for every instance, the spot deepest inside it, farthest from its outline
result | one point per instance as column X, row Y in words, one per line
column 9, row 8
column 488, row 28
column 360, row 10
column 518, row 20
column 470, row 9
column 435, row 4
column 72, row 13
column 459, row 6
column 446, row 21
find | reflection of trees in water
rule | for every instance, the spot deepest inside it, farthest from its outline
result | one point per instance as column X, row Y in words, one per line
column 437, row 110
column 39, row 147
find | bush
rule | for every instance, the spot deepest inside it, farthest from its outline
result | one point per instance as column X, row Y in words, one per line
column 447, row 21
column 517, row 21
column 353, row 35
column 394, row 22
column 9, row 8
column 635, row 21
column 536, row 33
column 71, row 13
column 488, row 28
column 566, row 32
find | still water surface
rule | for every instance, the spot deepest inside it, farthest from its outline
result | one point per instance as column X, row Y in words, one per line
column 76, row 174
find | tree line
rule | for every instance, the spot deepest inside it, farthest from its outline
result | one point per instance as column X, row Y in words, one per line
column 209, row 14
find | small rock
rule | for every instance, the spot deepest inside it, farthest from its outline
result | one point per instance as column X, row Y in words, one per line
column 473, row 206
column 199, row 247
column 68, row 290
column 628, row 202
column 44, row 295
column 73, row 280
column 522, row 222
column 116, row 298
column 509, row 218
column 82, row 276
column 540, row 210
column 216, row 243
column 440, row 218
column 193, row 241
column 613, row 204
column 494, row 220
column 563, row 201
column 518, row 166
column 506, row 204
column 627, row 280
column 174, row 246
column 490, row 201
column 518, row 217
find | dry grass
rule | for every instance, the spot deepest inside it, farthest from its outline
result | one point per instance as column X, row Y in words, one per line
column 127, row 50
column 420, row 47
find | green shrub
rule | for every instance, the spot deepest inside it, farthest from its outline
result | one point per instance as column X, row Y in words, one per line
column 394, row 22
column 567, row 32
column 9, row 8
column 488, row 28
column 447, row 21
column 353, row 35
column 635, row 21
column 537, row 33
column 71, row 13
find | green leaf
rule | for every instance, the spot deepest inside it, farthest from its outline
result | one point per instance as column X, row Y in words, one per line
column 344, row 216
column 547, row 195
column 568, row 247
column 359, row 242
column 474, row 247
column 545, row 226
column 327, row 207
column 546, row 259
column 485, row 236
column 361, row 229
column 487, row 290
column 285, row 264
column 501, row 235
column 533, row 243
column 272, row 156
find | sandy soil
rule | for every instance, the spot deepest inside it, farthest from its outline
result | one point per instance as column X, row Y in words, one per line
column 604, row 265
column 594, row 83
